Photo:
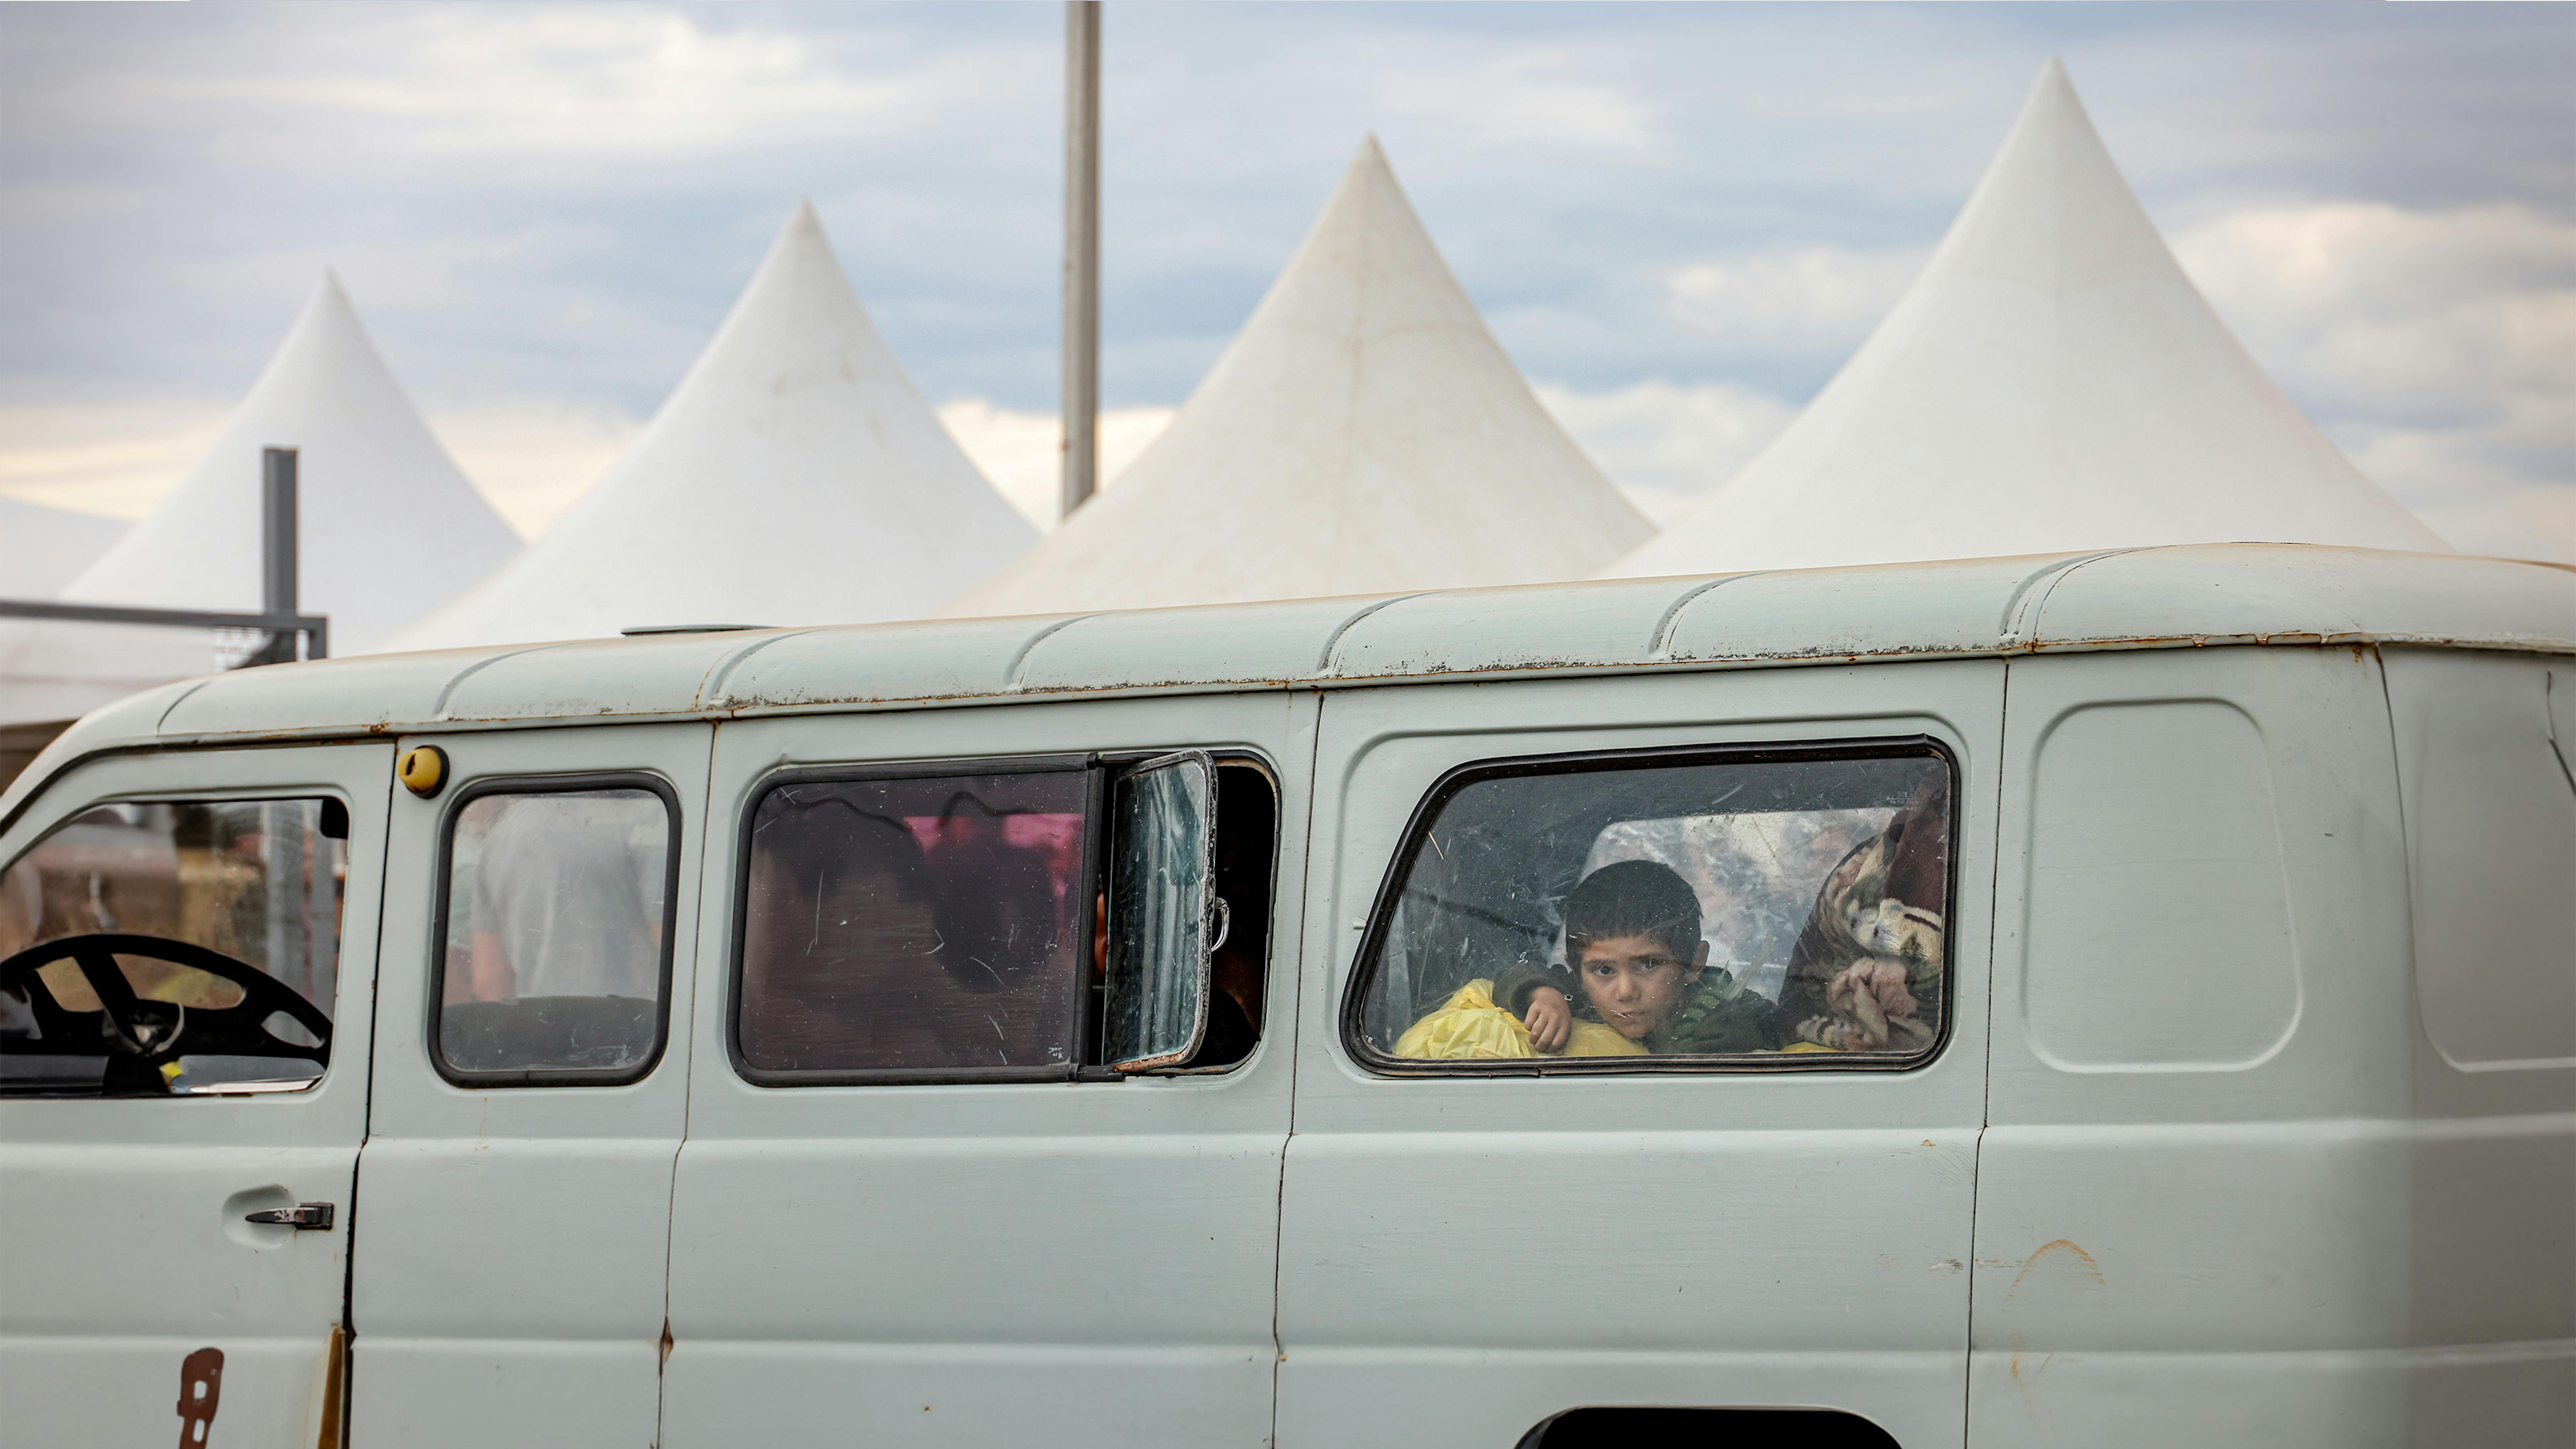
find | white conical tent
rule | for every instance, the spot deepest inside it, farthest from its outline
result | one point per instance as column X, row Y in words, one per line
column 387, row 527
column 796, row 476
column 2052, row 381
column 1363, row 433
column 386, row 523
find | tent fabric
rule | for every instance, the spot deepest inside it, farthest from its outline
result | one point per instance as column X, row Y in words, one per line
column 795, row 476
column 2051, row 381
column 387, row 528
column 1363, row 433
column 42, row 549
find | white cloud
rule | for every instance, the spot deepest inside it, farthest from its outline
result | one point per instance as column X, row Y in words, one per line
column 1795, row 298
column 1668, row 445
column 1022, row 452
column 2437, row 347
column 605, row 80
column 2538, row 522
column 2405, row 310
column 529, row 457
column 114, row 458
column 1517, row 98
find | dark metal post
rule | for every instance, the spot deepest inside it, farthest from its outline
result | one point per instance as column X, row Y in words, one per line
column 1081, row 251
column 277, row 509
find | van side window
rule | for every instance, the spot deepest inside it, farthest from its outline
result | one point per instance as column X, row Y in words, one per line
column 1736, row 909
column 926, row 924
column 157, row 948
column 1049, row 920
column 555, row 933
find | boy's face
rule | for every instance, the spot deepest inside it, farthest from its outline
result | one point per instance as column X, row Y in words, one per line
column 1635, row 982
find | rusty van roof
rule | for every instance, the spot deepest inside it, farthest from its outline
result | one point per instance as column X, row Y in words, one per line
column 2287, row 594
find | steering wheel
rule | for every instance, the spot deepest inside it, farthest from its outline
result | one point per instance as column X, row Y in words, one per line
column 140, row 1036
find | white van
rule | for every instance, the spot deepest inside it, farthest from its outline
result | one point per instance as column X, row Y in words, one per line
column 2118, row 999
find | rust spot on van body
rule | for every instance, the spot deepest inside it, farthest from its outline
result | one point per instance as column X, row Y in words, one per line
column 2068, row 1246
column 201, row 1388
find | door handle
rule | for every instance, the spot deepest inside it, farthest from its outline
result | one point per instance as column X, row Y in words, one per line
column 304, row 1216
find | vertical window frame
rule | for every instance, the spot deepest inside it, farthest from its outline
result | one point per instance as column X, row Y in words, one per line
column 1081, row 1033
column 444, row 884
column 1426, row 811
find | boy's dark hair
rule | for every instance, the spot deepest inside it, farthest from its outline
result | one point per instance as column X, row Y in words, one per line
column 1633, row 898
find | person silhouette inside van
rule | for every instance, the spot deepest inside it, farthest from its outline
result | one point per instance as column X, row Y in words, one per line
column 568, row 898
column 1640, row 968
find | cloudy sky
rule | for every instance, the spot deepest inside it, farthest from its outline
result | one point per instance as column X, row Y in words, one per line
column 1679, row 219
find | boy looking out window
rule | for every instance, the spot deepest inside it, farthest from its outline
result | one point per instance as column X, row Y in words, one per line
column 1632, row 938
column 1640, row 971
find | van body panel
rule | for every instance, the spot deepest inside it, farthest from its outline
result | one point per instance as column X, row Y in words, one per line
column 656, row 674
column 839, row 1392
column 127, row 1247
column 1902, row 609
column 1395, row 1398
column 1263, row 643
column 2237, row 804
column 2491, row 852
column 518, row 1236
column 2255, row 1120
column 2119, row 600
column 2490, row 811
column 1764, row 1227
column 908, row 663
column 1108, row 1247
column 361, row 694
column 2290, row 593
column 1476, row 631
column 2508, row 1394
column 2184, row 1193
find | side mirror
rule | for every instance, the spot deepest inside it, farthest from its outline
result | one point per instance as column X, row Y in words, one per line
column 1165, row 918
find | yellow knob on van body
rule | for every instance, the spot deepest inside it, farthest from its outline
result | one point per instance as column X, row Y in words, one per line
column 422, row 770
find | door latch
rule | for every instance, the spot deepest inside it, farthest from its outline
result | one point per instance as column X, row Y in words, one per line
column 313, row 1216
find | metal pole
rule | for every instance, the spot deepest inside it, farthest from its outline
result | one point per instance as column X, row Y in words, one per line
column 277, row 543
column 1081, row 251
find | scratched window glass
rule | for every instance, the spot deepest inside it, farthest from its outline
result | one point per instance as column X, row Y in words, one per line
column 909, row 925
column 1745, row 911
column 557, row 931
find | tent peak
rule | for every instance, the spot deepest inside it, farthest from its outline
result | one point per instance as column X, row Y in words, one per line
column 2051, row 381
column 1363, row 433
column 1368, row 160
column 795, row 475
column 2052, row 99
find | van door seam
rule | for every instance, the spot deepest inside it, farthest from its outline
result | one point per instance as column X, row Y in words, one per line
column 1296, row 1036
column 367, row 1099
column 688, row 1079
column 1986, row 1093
